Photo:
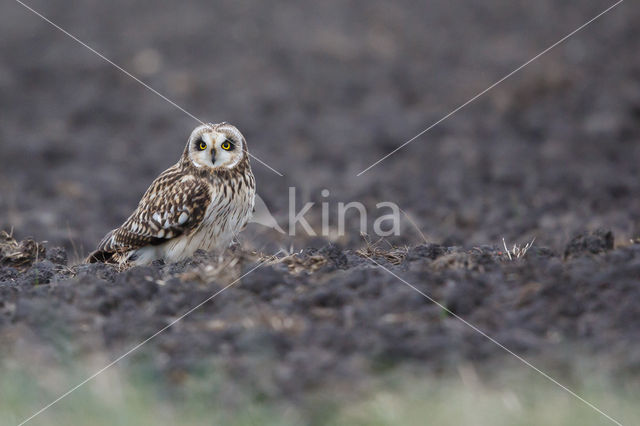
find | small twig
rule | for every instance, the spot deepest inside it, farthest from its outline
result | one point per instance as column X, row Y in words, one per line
column 504, row 243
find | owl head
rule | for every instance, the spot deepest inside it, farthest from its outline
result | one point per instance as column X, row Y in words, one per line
column 215, row 146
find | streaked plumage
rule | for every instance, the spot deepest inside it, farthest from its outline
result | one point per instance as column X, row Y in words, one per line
column 201, row 202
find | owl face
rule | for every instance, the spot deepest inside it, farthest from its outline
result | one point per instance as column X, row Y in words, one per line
column 216, row 146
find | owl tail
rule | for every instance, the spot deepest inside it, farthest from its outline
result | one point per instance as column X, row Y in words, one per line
column 102, row 253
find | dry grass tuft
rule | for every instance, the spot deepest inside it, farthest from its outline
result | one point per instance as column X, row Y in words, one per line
column 516, row 251
column 297, row 262
column 392, row 254
column 226, row 267
column 19, row 254
column 309, row 264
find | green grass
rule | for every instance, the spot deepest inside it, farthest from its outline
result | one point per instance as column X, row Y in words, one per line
column 525, row 400
column 120, row 397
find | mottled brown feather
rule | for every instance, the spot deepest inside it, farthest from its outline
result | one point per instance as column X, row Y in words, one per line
column 157, row 217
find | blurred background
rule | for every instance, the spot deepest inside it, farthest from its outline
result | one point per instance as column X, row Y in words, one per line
column 321, row 91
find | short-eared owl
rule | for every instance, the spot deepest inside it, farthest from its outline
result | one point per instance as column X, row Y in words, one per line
column 201, row 202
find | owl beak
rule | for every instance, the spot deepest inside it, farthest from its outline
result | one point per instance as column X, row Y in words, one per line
column 213, row 156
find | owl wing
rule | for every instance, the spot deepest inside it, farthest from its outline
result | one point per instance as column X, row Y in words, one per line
column 170, row 207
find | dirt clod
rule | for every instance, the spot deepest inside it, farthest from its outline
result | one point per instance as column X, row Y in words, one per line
column 597, row 242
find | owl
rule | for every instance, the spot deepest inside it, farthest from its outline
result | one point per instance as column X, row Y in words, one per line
column 201, row 202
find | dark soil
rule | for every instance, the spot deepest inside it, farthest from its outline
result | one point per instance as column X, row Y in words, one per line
column 328, row 316
column 321, row 90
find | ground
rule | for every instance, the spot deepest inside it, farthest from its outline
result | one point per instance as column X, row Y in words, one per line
column 321, row 91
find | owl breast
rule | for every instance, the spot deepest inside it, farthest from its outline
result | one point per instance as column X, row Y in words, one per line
column 228, row 212
column 226, row 216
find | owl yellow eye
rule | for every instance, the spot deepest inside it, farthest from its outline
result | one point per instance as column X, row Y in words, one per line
column 202, row 146
column 226, row 145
